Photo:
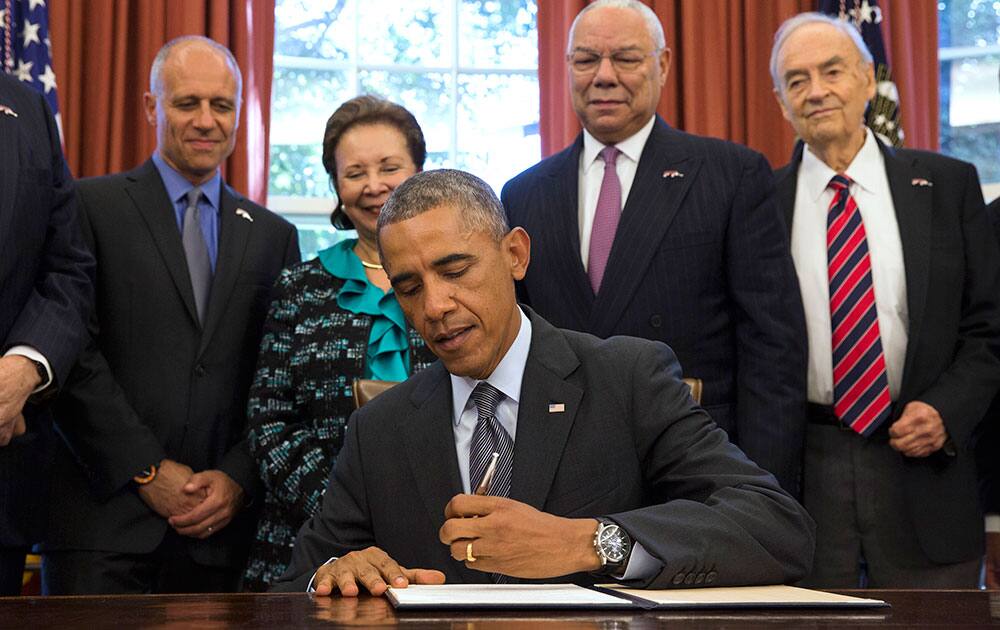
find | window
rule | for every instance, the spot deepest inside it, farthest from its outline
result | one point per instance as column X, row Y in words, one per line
column 969, row 51
column 467, row 69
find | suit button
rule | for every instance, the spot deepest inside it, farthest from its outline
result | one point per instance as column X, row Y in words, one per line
column 200, row 370
column 711, row 577
column 679, row 578
column 656, row 321
column 699, row 579
column 689, row 579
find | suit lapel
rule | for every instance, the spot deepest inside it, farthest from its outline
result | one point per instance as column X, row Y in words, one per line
column 561, row 205
column 786, row 184
column 429, row 437
column 541, row 435
column 913, row 215
column 652, row 204
column 11, row 167
column 234, row 232
column 156, row 208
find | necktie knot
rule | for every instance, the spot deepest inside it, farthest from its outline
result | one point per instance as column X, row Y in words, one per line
column 610, row 155
column 486, row 398
column 839, row 182
column 193, row 196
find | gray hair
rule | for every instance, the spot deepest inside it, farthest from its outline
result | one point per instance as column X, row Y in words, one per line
column 473, row 198
column 156, row 70
column 652, row 22
column 792, row 24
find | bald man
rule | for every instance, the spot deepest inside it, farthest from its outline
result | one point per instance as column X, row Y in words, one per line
column 154, row 473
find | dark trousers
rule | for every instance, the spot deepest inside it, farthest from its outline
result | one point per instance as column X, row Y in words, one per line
column 853, row 488
column 168, row 569
column 11, row 570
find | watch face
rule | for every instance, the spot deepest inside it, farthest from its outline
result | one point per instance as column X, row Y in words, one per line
column 613, row 543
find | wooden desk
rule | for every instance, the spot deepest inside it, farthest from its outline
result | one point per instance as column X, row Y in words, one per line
column 910, row 609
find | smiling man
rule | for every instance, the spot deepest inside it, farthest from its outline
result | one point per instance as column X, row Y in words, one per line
column 606, row 468
column 154, row 471
column 899, row 277
column 643, row 230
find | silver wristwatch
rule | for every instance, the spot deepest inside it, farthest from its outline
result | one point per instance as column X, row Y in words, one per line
column 613, row 546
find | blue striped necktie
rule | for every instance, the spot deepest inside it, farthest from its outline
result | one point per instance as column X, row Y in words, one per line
column 490, row 437
column 860, row 386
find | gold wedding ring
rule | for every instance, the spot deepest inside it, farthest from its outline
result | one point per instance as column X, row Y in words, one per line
column 468, row 553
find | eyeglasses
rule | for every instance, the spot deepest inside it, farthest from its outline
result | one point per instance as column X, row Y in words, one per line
column 587, row 61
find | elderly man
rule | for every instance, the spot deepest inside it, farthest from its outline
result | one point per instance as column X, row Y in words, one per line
column 605, row 463
column 899, row 277
column 45, row 297
column 155, row 472
column 646, row 231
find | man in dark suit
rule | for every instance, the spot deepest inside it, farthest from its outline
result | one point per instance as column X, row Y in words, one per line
column 900, row 282
column 699, row 258
column 988, row 459
column 45, row 297
column 155, row 474
column 605, row 464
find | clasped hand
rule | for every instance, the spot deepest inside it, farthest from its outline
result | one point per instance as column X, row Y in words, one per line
column 507, row 537
column 194, row 504
column 919, row 431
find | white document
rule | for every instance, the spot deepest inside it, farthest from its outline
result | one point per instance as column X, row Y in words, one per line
column 502, row 596
column 776, row 596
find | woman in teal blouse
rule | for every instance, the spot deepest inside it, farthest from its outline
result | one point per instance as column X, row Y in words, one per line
column 334, row 319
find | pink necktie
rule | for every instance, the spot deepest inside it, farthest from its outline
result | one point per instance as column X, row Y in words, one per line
column 609, row 210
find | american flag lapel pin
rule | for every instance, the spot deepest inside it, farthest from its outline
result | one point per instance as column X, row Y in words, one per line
column 240, row 212
column 920, row 181
column 671, row 174
column 6, row 110
column 557, row 407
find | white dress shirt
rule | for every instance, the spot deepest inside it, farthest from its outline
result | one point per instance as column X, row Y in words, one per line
column 507, row 378
column 870, row 189
column 591, row 174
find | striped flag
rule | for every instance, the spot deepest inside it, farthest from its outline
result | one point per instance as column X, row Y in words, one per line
column 24, row 34
column 883, row 111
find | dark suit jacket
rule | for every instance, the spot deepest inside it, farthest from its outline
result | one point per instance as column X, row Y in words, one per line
column 988, row 443
column 153, row 384
column 631, row 445
column 699, row 262
column 952, row 364
column 45, row 291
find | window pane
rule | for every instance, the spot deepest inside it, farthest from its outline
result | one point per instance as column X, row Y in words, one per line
column 497, row 125
column 427, row 96
column 415, row 32
column 969, row 32
column 498, row 33
column 968, row 23
column 302, row 101
column 305, row 28
column 316, row 233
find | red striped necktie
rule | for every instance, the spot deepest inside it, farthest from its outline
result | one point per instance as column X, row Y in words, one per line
column 860, row 386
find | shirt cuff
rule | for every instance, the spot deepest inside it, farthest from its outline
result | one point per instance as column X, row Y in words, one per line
column 993, row 523
column 34, row 355
column 640, row 565
column 310, row 589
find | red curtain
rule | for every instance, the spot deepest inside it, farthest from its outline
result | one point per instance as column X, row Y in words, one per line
column 719, row 83
column 102, row 51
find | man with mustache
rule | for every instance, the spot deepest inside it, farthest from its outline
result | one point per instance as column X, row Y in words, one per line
column 154, row 473
column 606, row 468
column 900, row 281
column 643, row 230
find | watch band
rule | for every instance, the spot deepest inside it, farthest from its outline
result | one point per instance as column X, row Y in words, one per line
column 146, row 476
column 43, row 374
